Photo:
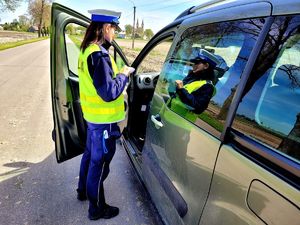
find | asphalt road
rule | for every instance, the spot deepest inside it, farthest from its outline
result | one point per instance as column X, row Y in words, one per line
column 34, row 189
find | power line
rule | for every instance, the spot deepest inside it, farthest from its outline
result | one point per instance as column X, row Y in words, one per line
column 155, row 9
column 153, row 3
column 127, row 15
column 132, row 2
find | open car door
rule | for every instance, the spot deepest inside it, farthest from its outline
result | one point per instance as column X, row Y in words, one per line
column 68, row 28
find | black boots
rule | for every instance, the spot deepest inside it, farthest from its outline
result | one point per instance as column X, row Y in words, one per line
column 106, row 213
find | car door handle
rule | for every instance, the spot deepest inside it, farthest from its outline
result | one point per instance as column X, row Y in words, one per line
column 156, row 120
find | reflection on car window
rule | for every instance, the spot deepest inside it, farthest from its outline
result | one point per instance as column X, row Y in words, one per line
column 270, row 109
column 231, row 43
column 195, row 90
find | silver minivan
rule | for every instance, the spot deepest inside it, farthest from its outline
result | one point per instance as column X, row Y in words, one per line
column 238, row 162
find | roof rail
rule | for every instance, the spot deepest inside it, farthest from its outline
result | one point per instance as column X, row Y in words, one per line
column 205, row 4
column 185, row 12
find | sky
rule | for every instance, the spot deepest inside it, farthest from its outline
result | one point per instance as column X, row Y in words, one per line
column 155, row 13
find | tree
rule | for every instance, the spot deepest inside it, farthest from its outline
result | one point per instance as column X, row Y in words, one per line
column 12, row 26
column 9, row 5
column 149, row 33
column 24, row 22
column 290, row 144
column 128, row 30
column 40, row 10
column 70, row 29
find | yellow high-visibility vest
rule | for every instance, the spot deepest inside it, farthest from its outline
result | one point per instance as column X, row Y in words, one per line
column 94, row 108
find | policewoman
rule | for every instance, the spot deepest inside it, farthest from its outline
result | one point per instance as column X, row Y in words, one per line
column 194, row 92
column 102, row 102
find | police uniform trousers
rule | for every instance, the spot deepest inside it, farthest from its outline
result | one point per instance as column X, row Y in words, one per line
column 95, row 161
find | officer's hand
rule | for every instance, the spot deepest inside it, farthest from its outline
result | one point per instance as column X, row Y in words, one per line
column 179, row 84
column 127, row 70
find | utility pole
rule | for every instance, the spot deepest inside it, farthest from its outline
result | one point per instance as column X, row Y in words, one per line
column 133, row 27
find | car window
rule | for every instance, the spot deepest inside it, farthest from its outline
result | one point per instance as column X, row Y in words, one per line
column 119, row 61
column 126, row 46
column 74, row 35
column 155, row 58
column 270, row 108
column 231, row 43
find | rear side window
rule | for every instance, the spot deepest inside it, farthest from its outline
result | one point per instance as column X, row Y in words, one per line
column 231, row 42
column 270, row 108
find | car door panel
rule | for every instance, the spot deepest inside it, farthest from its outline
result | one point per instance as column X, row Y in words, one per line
column 241, row 194
column 68, row 122
column 81, row 126
column 273, row 207
column 186, row 155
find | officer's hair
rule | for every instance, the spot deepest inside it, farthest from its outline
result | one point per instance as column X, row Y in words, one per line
column 94, row 34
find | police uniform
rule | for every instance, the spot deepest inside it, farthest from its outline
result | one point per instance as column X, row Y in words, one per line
column 102, row 102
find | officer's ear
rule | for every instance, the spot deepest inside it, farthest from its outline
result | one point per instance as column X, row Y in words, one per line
column 106, row 28
column 206, row 66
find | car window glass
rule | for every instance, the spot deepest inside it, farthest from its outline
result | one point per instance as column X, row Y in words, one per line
column 231, row 43
column 73, row 37
column 270, row 108
column 126, row 46
column 154, row 60
column 116, row 56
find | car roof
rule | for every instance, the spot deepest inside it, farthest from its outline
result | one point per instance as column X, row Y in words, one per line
column 279, row 7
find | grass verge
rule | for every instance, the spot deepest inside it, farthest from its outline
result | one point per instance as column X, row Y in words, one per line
column 7, row 45
column 76, row 39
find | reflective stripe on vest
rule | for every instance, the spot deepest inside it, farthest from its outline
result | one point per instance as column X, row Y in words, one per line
column 183, row 109
column 94, row 108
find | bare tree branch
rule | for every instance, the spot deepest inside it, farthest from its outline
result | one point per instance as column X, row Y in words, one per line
column 9, row 5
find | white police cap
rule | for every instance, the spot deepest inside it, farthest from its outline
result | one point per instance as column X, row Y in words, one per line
column 105, row 16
